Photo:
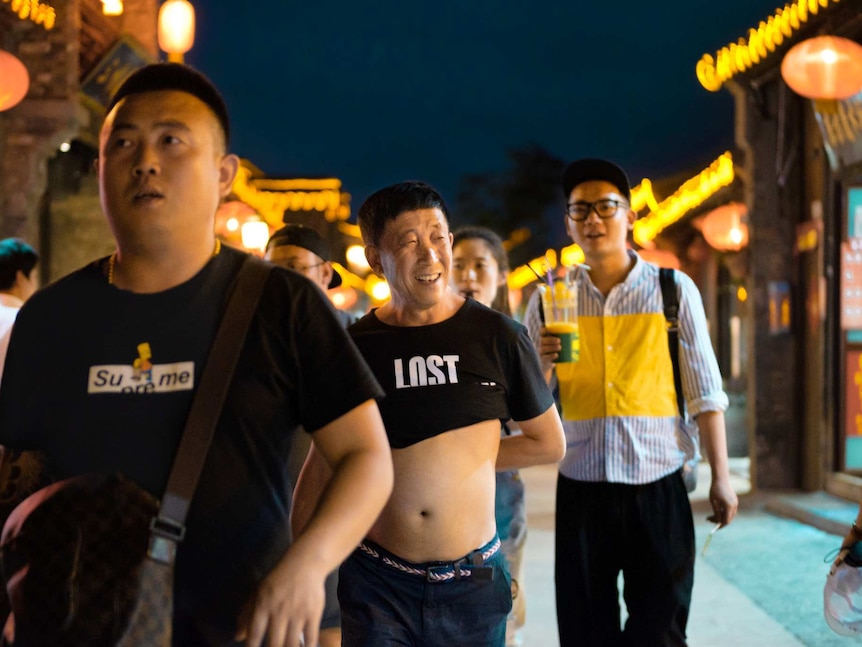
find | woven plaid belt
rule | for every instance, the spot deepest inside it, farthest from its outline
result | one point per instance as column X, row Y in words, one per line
column 470, row 566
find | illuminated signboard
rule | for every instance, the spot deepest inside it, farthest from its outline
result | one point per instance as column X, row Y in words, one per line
column 690, row 195
column 272, row 197
column 35, row 11
column 713, row 71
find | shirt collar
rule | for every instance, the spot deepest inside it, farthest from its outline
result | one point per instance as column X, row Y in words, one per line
column 631, row 279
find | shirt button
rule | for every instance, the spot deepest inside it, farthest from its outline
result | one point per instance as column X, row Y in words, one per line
column 610, row 347
column 610, row 385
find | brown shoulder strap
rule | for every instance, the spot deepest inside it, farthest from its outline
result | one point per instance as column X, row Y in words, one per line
column 207, row 406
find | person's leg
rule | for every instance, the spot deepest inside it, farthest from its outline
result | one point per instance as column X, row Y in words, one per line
column 379, row 607
column 518, row 615
column 659, row 570
column 587, row 563
column 471, row 611
column 330, row 624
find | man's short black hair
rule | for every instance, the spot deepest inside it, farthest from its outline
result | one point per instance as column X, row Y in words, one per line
column 390, row 202
column 15, row 256
column 175, row 76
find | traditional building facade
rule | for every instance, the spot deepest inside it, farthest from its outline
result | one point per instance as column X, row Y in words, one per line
column 48, row 194
column 800, row 164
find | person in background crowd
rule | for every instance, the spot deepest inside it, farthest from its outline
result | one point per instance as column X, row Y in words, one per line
column 17, row 284
column 163, row 167
column 303, row 250
column 480, row 267
column 430, row 572
column 621, row 501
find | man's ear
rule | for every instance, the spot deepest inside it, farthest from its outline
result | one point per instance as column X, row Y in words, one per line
column 373, row 258
column 228, row 167
column 326, row 274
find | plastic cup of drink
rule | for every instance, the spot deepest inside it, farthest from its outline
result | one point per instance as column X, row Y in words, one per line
column 560, row 307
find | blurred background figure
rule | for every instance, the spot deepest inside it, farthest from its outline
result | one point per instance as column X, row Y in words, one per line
column 302, row 249
column 17, row 283
column 480, row 267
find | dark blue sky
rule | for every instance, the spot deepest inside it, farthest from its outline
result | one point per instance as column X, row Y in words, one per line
column 381, row 91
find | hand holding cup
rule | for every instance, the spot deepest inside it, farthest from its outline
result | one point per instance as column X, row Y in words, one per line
column 560, row 308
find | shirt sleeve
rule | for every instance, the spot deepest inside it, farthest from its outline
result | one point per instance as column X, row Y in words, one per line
column 529, row 395
column 701, row 378
column 332, row 376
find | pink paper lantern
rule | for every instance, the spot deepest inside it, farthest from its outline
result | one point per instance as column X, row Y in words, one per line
column 14, row 81
column 724, row 227
column 824, row 67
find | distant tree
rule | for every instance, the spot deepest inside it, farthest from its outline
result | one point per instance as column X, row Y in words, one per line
column 525, row 195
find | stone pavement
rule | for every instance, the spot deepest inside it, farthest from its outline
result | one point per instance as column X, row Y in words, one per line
column 759, row 584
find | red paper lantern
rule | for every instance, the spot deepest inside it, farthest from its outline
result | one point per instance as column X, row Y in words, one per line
column 724, row 228
column 14, row 81
column 824, row 67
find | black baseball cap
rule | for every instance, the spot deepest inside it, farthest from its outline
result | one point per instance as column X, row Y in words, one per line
column 175, row 76
column 586, row 170
column 307, row 238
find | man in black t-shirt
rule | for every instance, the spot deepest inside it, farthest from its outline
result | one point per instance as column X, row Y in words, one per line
column 103, row 364
column 430, row 571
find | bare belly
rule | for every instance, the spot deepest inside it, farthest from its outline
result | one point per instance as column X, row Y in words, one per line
column 442, row 506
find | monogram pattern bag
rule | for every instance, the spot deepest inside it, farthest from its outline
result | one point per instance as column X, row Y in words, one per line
column 90, row 560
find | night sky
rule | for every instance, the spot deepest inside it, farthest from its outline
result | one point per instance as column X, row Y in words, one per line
column 381, row 91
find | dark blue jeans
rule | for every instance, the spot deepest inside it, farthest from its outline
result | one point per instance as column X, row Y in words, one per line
column 382, row 606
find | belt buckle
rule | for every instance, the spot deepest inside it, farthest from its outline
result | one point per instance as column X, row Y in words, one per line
column 442, row 569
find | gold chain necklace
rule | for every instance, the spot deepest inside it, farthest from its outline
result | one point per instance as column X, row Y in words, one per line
column 112, row 261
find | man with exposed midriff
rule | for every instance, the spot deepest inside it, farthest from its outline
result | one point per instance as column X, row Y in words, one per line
column 430, row 571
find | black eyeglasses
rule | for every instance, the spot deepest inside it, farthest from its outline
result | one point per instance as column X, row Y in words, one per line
column 302, row 269
column 605, row 208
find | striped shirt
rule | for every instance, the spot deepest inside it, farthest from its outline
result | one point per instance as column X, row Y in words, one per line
column 619, row 404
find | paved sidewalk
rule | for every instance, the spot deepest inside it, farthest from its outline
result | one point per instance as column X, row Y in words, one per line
column 759, row 585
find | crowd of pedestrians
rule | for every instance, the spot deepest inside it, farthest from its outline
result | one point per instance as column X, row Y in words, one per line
column 362, row 485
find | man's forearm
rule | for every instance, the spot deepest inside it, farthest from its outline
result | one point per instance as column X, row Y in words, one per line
column 714, row 441
column 349, row 504
column 541, row 441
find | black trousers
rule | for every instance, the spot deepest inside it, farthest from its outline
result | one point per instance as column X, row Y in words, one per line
column 645, row 531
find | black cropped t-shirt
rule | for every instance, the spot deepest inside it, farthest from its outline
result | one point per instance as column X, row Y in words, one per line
column 477, row 365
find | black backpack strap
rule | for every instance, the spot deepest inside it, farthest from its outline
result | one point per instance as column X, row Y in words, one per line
column 671, row 314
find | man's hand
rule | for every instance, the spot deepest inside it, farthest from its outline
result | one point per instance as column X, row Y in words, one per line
column 724, row 501
column 721, row 495
column 286, row 608
column 288, row 603
column 549, row 348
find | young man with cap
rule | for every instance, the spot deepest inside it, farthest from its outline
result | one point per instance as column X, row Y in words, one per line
column 301, row 249
column 621, row 501
column 163, row 168
column 430, row 571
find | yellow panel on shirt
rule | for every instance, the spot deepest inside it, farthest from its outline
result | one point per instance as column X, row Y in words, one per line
column 624, row 369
